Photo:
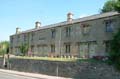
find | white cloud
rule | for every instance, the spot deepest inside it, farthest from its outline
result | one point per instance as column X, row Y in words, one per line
column 84, row 15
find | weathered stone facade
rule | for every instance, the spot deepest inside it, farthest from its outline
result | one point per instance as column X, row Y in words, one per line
column 83, row 37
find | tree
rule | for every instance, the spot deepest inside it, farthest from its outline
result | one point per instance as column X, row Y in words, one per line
column 111, row 5
column 117, row 6
column 4, row 47
column 114, row 53
column 24, row 49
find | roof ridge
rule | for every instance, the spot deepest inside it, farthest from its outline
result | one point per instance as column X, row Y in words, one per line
column 86, row 18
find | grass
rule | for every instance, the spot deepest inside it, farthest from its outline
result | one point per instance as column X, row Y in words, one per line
column 59, row 59
column 90, row 60
column 46, row 58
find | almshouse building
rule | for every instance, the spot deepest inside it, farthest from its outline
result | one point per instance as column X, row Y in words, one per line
column 84, row 37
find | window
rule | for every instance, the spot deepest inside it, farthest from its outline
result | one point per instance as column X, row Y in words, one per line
column 109, row 26
column 32, row 35
column 53, row 33
column 68, row 31
column 67, row 48
column 18, row 36
column 107, row 46
column 11, row 40
column 32, row 49
column 86, row 28
column 52, row 48
column 25, row 37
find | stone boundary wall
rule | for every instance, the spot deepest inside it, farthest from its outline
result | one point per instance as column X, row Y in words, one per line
column 76, row 70
column 1, row 62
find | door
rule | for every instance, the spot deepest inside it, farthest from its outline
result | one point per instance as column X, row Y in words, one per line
column 84, row 50
column 92, row 49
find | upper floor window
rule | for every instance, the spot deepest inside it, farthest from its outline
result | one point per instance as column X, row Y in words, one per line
column 109, row 26
column 11, row 40
column 18, row 36
column 25, row 37
column 86, row 28
column 68, row 31
column 32, row 35
column 53, row 31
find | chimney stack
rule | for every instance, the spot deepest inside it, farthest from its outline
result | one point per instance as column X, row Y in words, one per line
column 69, row 17
column 37, row 24
column 18, row 30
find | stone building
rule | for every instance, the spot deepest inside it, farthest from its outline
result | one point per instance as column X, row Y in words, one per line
column 82, row 37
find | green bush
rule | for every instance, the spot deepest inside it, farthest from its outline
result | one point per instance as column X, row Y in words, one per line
column 4, row 47
column 114, row 55
column 24, row 49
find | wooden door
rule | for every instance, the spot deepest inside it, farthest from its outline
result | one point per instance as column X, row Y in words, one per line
column 84, row 50
column 92, row 49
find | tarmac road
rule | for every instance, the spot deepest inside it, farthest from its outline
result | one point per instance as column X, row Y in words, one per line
column 14, row 76
column 10, row 74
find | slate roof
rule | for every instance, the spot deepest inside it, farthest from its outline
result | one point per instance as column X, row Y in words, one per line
column 93, row 17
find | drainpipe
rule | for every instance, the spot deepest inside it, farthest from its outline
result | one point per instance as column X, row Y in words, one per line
column 60, row 42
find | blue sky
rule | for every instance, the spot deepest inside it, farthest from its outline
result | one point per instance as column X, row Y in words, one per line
column 24, row 13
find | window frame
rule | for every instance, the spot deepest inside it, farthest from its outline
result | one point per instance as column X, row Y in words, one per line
column 53, row 33
column 67, row 48
column 52, row 48
column 68, row 31
column 86, row 28
column 109, row 26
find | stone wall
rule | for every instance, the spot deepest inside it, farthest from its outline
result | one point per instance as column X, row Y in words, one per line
column 1, row 62
column 76, row 70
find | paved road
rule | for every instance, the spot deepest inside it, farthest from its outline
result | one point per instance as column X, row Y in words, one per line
column 10, row 74
column 14, row 76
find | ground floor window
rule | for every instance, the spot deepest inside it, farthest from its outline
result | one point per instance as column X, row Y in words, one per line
column 52, row 48
column 67, row 46
column 32, row 48
column 107, row 46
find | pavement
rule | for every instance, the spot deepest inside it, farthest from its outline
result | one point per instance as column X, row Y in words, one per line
column 22, row 75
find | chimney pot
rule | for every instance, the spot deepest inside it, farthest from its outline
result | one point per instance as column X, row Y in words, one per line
column 37, row 24
column 69, row 17
column 18, row 30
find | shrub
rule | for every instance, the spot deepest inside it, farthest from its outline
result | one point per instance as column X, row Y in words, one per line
column 114, row 55
column 24, row 49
